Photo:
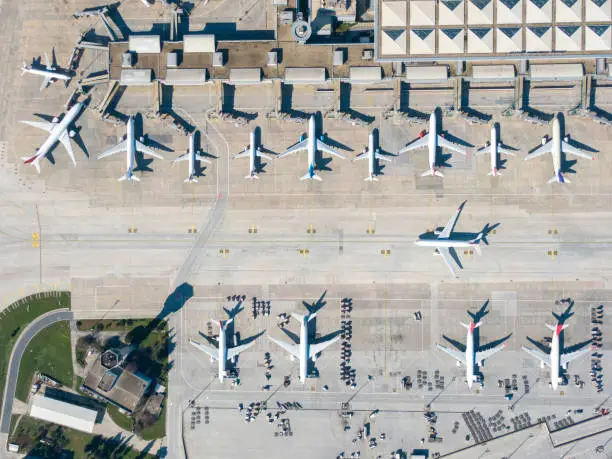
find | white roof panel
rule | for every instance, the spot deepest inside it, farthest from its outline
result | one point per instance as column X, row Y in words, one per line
column 393, row 14
column 509, row 11
column 364, row 75
column 552, row 72
column 598, row 10
column 199, row 44
column 422, row 41
column 509, row 40
column 427, row 73
column 450, row 41
column 598, row 38
column 422, row 12
column 568, row 38
column 538, row 38
column 185, row 77
column 245, row 76
column 305, row 75
column 393, row 41
column 539, row 11
column 493, row 72
column 480, row 11
column 144, row 44
column 568, row 10
column 480, row 40
column 136, row 77
column 63, row 413
column 450, row 12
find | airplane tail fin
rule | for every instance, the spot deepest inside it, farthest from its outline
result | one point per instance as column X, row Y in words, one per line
column 32, row 160
column 558, row 177
column 312, row 316
column 310, row 176
column 24, row 68
column 478, row 249
column 495, row 173
column 252, row 176
column 433, row 172
column 464, row 325
column 191, row 179
column 129, row 177
column 297, row 316
column 370, row 178
column 556, row 328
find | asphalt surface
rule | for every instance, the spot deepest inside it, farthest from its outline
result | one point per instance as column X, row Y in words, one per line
column 13, row 372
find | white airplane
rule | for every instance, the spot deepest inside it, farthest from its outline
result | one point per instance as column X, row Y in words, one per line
column 556, row 146
column 146, row 3
column 252, row 151
column 432, row 140
column 305, row 350
column 192, row 156
column 58, row 132
column 471, row 357
column 445, row 244
column 223, row 353
column 49, row 73
column 372, row 153
column 312, row 145
column 556, row 358
column 494, row 147
column 130, row 145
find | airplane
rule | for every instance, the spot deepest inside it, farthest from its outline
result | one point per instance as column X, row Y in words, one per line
column 445, row 244
column 556, row 357
column 130, row 145
column 304, row 350
column 432, row 140
column 49, row 73
column 494, row 147
column 556, row 146
column 471, row 356
column 252, row 151
column 192, row 156
column 312, row 145
column 223, row 353
column 58, row 131
column 372, row 154
column 146, row 3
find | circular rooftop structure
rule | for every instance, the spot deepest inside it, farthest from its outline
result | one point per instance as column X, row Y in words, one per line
column 301, row 31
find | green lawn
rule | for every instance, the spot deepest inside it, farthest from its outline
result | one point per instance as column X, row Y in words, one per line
column 157, row 430
column 17, row 316
column 49, row 352
column 83, row 445
column 123, row 421
column 111, row 325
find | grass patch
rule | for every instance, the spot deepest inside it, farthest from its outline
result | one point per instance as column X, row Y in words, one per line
column 111, row 324
column 123, row 421
column 17, row 317
column 157, row 430
column 49, row 352
column 344, row 27
column 80, row 444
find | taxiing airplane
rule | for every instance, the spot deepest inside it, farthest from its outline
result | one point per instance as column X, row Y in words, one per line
column 372, row 153
column 58, row 132
column 494, row 147
column 312, row 145
column 445, row 242
column 223, row 353
column 49, row 72
column 192, row 156
column 469, row 355
column 252, row 151
column 304, row 350
column 556, row 358
column 130, row 145
column 432, row 140
column 557, row 145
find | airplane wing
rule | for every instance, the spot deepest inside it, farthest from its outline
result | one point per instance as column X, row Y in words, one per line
column 243, row 154
column 484, row 355
column 458, row 356
column 321, row 345
column 142, row 148
column 234, row 351
column 48, row 62
column 541, row 150
column 120, row 147
column 44, row 125
column 545, row 358
column 383, row 157
column 65, row 139
column 450, row 226
column 446, row 256
column 201, row 158
column 303, row 145
column 566, row 358
column 363, row 155
column 442, row 142
column 322, row 146
column 211, row 351
column 291, row 348
column 483, row 150
column 567, row 148
column 505, row 151
column 46, row 82
column 183, row 157
column 419, row 143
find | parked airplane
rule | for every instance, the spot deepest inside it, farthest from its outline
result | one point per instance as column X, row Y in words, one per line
column 130, row 145
column 192, row 156
column 305, row 350
column 555, row 357
column 223, row 353
column 58, row 132
column 445, row 242
column 494, row 147
column 252, row 151
column 312, row 145
column 472, row 354
column 49, row 72
column 372, row 153
column 432, row 140
column 556, row 145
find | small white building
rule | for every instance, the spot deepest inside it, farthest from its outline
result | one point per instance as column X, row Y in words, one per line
column 63, row 413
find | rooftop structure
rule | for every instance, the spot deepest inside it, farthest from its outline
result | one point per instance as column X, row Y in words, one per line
column 63, row 413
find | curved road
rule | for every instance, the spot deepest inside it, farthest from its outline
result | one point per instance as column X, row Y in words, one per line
column 12, row 374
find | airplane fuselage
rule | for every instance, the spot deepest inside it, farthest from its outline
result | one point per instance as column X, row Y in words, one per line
column 130, row 146
column 192, row 154
column 444, row 243
column 372, row 157
column 46, row 73
column 222, row 351
column 470, row 356
column 58, row 130
column 252, row 154
column 555, row 359
column 556, row 145
column 304, row 348
column 432, row 141
column 312, row 143
column 494, row 152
